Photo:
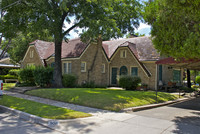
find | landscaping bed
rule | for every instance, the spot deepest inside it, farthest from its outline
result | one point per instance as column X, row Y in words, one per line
column 108, row 99
column 39, row 109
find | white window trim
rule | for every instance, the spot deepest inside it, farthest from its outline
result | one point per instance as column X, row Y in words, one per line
column 85, row 66
column 31, row 54
column 103, row 69
column 131, row 70
column 122, row 52
column 67, row 69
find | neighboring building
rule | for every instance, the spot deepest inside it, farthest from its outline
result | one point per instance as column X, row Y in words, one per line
column 103, row 63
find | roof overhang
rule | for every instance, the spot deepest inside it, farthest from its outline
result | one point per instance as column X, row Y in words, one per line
column 192, row 64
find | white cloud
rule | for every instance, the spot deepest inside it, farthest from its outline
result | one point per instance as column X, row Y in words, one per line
column 142, row 26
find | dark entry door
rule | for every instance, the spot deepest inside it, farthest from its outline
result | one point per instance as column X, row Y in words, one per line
column 114, row 76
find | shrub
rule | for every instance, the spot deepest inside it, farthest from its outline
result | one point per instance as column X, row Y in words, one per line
column 129, row 82
column 90, row 84
column 43, row 76
column 14, row 72
column 26, row 74
column 197, row 80
column 188, row 90
column 69, row 80
column 8, row 76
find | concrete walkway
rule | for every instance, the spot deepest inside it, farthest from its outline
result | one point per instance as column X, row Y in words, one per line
column 92, row 111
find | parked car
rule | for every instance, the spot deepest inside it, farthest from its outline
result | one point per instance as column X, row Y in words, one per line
column 1, row 88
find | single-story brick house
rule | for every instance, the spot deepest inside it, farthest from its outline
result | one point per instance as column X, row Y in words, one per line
column 104, row 62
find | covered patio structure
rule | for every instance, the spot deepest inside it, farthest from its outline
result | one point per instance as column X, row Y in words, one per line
column 182, row 63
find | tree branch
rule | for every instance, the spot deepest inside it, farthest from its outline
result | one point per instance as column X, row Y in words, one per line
column 69, row 29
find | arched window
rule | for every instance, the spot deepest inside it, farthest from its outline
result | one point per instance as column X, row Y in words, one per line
column 123, row 70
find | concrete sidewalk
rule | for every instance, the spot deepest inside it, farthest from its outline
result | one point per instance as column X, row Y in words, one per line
column 92, row 111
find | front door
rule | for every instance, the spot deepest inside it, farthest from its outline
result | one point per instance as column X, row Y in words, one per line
column 114, row 76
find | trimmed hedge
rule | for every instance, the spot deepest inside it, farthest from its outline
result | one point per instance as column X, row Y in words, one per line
column 129, row 82
column 14, row 72
column 26, row 74
column 43, row 76
column 8, row 76
column 69, row 80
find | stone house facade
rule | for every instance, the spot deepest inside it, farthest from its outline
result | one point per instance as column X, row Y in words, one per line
column 103, row 62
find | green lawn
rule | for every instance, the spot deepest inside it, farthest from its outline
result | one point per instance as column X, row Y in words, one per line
column 39, row 109
column 7, row 86
column 108, row 99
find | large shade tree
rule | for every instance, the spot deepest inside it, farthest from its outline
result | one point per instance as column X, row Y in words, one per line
column 108, row 18
column 175, row 27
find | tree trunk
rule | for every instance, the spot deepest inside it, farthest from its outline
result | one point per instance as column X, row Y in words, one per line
column 57, row 77
column 188, row 79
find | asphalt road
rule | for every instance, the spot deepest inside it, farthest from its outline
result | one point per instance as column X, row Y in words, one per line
column 181, row 118
column 13, row 125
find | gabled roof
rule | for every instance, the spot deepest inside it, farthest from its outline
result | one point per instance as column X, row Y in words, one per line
column 142, row 47
column 42, row 47
column 71, row 49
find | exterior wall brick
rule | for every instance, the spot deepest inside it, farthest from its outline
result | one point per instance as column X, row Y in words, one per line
column 93, row 67
column 129, row 62
column 95, row 58
column 35, row 59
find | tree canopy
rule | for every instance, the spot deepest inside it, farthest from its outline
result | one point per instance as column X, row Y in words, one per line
column 175, row 27
column 108, row 18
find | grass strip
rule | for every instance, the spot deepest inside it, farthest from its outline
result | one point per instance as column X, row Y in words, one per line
column 7, row 86
column 109, row 99
column 39, row 109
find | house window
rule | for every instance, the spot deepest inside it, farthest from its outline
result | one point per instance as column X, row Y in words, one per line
column 176, row 75
column 103, row 68
column 31, row 54
column 123, row 70
column 123, row 53
column 134, row 71
column 83, row 66
column 67, row 67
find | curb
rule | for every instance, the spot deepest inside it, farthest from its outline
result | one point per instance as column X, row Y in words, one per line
column 28, row 117
column 139, row 108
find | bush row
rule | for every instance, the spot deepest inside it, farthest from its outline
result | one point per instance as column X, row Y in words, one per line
column 41, row 76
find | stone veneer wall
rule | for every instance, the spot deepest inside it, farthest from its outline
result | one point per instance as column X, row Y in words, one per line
column 129, row 62
column 36, row 59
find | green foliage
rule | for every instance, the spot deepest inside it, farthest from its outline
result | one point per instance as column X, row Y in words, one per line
column 26, row 74
column 40, row 109
column 8, row 76
column 43, row 76
column 129, row 82
column 188, row 90
column 69, row 80
column 109, row 99
column 197, row 80
column 4, row 71
column 175, row 27
column 106, row 18
column 90, row 84
column 14, row 72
